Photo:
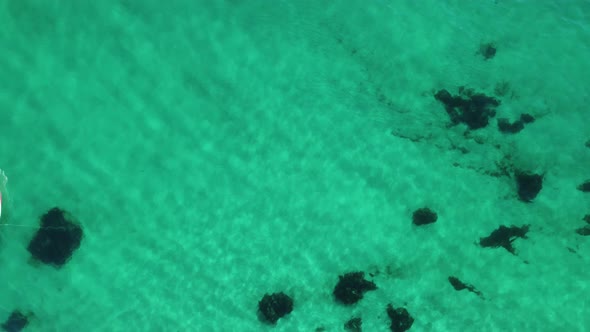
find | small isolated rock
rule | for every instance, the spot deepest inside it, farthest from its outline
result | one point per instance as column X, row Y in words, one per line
column 506, row 127
column 584, row 187
column 584, row 231
column 527, row 118
column 424, row 216
column 503, row 237
column 587, row 218
column 487, row 50
column 16, row 322
column 502, row 88
column 353, row 325
column 529, row 185
column 351, row 287
column 274, row 306
column 401, row 320
column 459, row 285
column 57, row 238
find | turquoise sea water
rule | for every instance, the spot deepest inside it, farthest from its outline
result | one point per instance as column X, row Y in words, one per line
column 215, row 151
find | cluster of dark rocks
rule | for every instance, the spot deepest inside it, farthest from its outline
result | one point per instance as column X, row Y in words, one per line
column 475, row 109
column 58, row 237
column 351, row 287
column 349, row 290
column 584, row 230
column 503, row 236
column 468, row 107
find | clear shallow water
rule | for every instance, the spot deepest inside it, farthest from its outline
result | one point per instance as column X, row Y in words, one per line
column 214, row 153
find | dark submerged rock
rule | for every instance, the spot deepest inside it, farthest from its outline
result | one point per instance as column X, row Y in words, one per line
column 424, row 216
column 529, row 185
column 351, row 287
column 502, row 88
column 503, row 237
column 527, row 118
column 401, row 320
column 458, row 285
column 506, row 127
column 57, row 238
column 470, row 108
column 487, row 50
column 274, row 306
column 584, row 187
column 353, row 325
column 15, row 322
column 584, row 231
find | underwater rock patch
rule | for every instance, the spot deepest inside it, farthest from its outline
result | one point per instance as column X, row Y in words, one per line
column 16, row 322
column 526, row 118
column 584, row 187
column 529, row 185
column 506, row 127
column 424, row 216
column 400, row 318
column 274, row 306
column 487, row 50
column 351, row 287
column 584, row 231
column 503, row 237
column 354, row 325
column 459, row 285
column 57, row 238
column 468, row 107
